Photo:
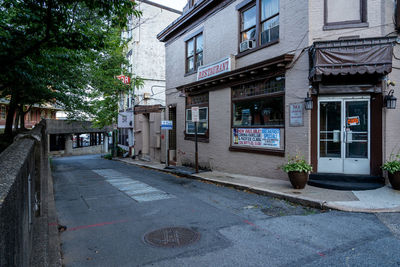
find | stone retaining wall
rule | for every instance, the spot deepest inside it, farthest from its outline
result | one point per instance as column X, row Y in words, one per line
column 28, row 222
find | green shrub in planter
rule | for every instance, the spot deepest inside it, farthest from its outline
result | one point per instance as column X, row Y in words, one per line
column 108, row 156
column 392, row 165
column 297, row 164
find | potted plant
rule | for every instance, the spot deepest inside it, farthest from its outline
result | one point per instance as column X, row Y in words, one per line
column 392, row 166
column 298, row 170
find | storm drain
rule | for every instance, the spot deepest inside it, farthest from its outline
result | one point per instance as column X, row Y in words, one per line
column 172, row 237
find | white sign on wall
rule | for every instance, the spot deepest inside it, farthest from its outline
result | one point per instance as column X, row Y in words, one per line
column 125, row 119
column 214, row 69
column 195, row 114
column 296, row 114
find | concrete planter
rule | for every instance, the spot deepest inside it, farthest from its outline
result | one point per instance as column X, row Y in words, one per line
column 394, row 179
column 298, row 179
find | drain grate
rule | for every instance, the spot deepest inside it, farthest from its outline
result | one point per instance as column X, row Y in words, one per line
column 172, row 237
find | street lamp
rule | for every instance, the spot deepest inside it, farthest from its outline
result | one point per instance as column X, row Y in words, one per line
column 309, row 102
column 390, row 100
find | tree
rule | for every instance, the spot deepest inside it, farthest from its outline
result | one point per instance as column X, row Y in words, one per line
column 106, row 89
column 46, row 48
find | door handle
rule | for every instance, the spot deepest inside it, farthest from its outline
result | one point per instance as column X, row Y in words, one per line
column 349, row 137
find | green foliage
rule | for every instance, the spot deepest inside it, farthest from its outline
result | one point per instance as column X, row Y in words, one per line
column 105, row 90
column 48, row 49
column 392, row 165
column 297, row 164
column 108, row 156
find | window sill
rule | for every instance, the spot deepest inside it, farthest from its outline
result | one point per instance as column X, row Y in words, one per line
column 190, row 73
column 345, row 26
column 273, row 152
column 201, row 139
column 242, row 54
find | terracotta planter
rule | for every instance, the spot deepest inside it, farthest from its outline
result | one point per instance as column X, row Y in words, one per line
column 394, row 179
column 298, row 179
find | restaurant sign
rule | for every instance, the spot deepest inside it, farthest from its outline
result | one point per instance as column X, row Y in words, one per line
column 257, row 137
column 214, row 69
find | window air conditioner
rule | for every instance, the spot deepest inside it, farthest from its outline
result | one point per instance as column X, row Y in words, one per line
column 248, row 44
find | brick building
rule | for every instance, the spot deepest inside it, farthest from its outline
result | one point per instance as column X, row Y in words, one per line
column 249, row 65
column 34, row 116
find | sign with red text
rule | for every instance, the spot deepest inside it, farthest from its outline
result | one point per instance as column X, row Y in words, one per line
column 214, row 69
column 124, row 79
column 257, row 137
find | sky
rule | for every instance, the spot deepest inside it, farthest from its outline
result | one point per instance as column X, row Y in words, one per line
column 176, row 4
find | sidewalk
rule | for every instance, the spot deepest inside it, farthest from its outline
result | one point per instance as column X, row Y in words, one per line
column 384, row 199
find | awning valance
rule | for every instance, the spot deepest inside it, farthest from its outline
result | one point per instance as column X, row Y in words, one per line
column 349, row 57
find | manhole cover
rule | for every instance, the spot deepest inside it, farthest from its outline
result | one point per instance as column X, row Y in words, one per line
column 171, row 237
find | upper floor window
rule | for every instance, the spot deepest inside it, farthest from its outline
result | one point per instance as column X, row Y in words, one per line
column 269, row 21
column 248, row 25
column 194, row 53
column 259, row 23
column 345, row 14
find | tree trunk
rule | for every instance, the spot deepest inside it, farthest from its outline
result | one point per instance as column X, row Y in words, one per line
column 10, row 116
column 16, row 122
column 22, row 120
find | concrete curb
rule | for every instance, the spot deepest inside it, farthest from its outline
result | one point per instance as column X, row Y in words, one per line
column 323, row 205
column 54, row 236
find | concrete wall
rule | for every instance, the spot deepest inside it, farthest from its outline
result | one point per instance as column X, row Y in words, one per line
column 28, row 236
column 81, row 151
column 65, row 126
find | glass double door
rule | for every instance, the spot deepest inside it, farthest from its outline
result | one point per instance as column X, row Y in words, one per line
column 344, row 135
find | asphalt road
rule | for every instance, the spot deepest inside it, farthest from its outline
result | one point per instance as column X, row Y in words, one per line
column 109, row 206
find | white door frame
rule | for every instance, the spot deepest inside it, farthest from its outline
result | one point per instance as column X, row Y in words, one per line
column 343, row 164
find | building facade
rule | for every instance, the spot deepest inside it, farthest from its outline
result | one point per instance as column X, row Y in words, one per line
column 146, row 56
column 249, row 65
column 32, row 117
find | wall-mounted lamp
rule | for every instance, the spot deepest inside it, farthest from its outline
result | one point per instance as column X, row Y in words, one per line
column 390, row 100
column 308, row 102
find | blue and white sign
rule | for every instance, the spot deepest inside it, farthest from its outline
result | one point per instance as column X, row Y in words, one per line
column 166, row 125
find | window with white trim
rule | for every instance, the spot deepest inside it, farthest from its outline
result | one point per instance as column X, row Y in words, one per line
column 200, row 101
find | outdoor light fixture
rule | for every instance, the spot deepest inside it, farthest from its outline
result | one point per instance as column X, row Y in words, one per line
column 309, row 102
column 390, row 101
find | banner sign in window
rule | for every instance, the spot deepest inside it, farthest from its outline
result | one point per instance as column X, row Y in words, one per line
column 257, row 137
column 353, row 121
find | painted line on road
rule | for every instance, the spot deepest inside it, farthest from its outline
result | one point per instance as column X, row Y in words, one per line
column 136, row 190
column 95, row 225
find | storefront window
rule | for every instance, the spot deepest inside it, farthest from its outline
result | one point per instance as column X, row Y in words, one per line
column 202, row 125
column 200, row 101
column 258, row 118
